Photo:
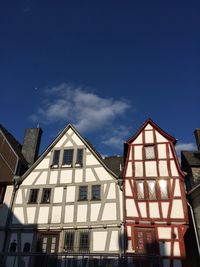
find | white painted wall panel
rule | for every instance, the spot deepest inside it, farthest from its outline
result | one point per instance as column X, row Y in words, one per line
column 165, row 248
column 149, row 137
column 164, row 232
column 58, row 195
column 170, row 152
column 30, row 178
column 18, row 199
column 131, row 208
column 69, row 213
column 153, row 210
column 78, row 175
column 143, row 209
column 163, row 168
column 90, row 177
column 130, row 153
column 95, row 208
column 66, row 176
column 160, row 138
column 139, row 169
column 162, row 153
column 70, row 194
column 61, row 142
column 114, row 241
column 42, row 178
column 91, row 160
column 148, row 127
column 129, row 231
column 129, row 169
column 56, row 214
column 53, row 177
column 70, row 131
column 177, row 209
column 111, row 192
column 176, row 249
column 150, row 167
column 165, row 207
column 43, row 215
column 31, row 214
column 128, row 189
column 138, row 152
column 103, row 174
column 177, row 190
column 174, row 170
column 109, row 212
column 18, row 215
column 138, row 140
column 77, row 140
column 99, row 240
column 44, row 164
column 82, row 213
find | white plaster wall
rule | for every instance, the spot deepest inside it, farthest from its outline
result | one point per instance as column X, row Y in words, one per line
column 177, row 209
column 90, row 177
column 70, row 194
column 163, row 168
column 82, row 213
column 109, row 212
column 95, row 208
column 150, row 167
column 43, row 215
column 53, row 177
column 160, row 138
column 44, row 164
column 69, row 213
column 103, row 174
column 177, row 190
column 143, row 208
column 165, row 208
column 18, row 199
column 42, row 178
column 130, row 247
column 56, row 214
column 164, row 232
column 129, row 169
column 138, row 140
column 153, row 210
column 165, row 248
column 174, row 170
column 130, row 153
column 170, row 152
column 148, row 127
column 138, row 169
column 91, row 160
column 61, row 142
column 66, row 176
column 111, row 192
column 77, row 140
column 31, row 214
column 138, row 152
column 18, row 215
column 30, row 178
column 149, row 137
column 78, row 175
column 129, row 231
column 70, row 131
column 68, row 144
column 176, row 249
column 128, row 189
column 162, row 154
column 58, row 194
column 99, row 240
column 131, row 208
column 114, row 241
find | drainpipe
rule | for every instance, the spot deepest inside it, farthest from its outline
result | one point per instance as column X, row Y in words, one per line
column 195, row 227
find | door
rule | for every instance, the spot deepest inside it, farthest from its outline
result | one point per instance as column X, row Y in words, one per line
column 145, row 242
column 47, row 247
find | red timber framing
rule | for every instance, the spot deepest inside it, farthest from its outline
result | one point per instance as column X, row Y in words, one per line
column 154, row 196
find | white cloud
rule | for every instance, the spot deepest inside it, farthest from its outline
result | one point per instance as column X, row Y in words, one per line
column 117, row 138
column 185, row 146
column 86, row 110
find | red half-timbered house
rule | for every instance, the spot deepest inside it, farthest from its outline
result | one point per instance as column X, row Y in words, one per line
column 154, row 197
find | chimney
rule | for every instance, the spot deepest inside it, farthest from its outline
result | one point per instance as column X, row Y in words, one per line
column 31, row 144
column 197, row 136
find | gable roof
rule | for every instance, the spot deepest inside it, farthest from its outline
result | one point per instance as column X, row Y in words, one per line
column 49, row 148
column 154, row 125
column 115, row 163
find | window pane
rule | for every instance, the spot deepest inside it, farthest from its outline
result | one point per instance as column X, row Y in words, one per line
column 163, row 189
column 46, row 195
column 2, row 193
column 96, row 192
column 68, row 157
column 84, row 241
column 33, row 195
column 56, row 156
column 83, row 193
column 79, row 159
column 140, row 190
column 69, row 241
column 152, row 189
column 149, row 152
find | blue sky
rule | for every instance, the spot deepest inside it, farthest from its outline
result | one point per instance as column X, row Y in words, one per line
column 105, row 66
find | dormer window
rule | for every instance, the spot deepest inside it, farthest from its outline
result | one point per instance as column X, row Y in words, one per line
column 79, row 158
column 56, row 156
column 68, row 157
column 149, row 152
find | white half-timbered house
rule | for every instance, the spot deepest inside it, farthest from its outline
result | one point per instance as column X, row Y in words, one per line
column 68, row 202
column 154, row 195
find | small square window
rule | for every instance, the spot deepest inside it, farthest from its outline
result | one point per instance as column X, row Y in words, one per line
column 69, row 241
column 68, row 157
column 84, row 241
column 149, row 152
column 33, row 195
column 2, row 193
column 79, row 159
column 56, row 156
column 46, row 194
column 83, row 192
column 96, row 192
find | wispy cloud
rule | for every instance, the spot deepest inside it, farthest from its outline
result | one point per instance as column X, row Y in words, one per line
column 86, row 110
column 185, row 146
column 118, row 137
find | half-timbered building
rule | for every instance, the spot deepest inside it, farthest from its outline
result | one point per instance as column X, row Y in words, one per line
column 68, row 202
column 154, row 197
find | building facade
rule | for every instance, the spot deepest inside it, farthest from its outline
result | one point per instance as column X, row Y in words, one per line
column 154, row 197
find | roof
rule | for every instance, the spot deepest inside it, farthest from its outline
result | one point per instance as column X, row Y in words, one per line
column 16, row 146
column 192, row 158
column 115, row 163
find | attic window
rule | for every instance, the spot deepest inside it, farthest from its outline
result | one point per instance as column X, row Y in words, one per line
column 149, row 152
column 56, row 156
column 79, row 159
column 68, row 157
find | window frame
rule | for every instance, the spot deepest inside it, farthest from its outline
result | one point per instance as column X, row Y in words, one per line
column 70, row 163
column 146, row 154
column 71, row 247
column 79, row 197
column 43, row 194
column 81, row 246
column 30, row 195
column 78, row 161
column 56, row 164
column 93, row 198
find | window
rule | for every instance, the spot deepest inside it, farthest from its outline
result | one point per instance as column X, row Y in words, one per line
column 33, row 195
column 149, row 152
column 2, row 193
column 56, row 156
column 46, row 194
column 68, row 157
column 79, row 159
column 27, row 247
column 96, row 192
column 84, row 241
column 140, row 190
column 163, row 189
column 83, row 192
column 13, row 246
column 151, row 185
column 69, row 241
